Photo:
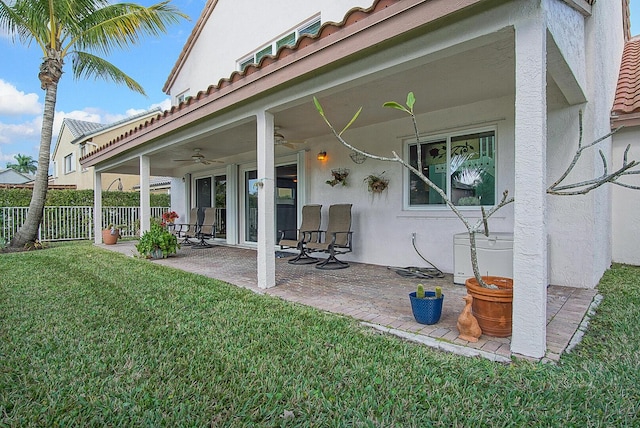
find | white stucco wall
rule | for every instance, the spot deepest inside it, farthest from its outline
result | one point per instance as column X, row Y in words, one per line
column 231, row 34
column 382, row 228
column 626, row 202
column 580, row 226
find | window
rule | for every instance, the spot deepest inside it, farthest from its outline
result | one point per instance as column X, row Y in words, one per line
column 69, row 163
column 462, row 165
column 308, row 28
column 183, row 96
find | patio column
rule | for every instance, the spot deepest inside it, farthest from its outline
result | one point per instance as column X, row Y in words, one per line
column 530, row 228
column 266, row 201
column 97, row 207
column 233, row 207
column 145, row 201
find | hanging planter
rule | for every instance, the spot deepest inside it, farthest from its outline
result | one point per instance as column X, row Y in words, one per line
column 339, row 176
column 377, row 183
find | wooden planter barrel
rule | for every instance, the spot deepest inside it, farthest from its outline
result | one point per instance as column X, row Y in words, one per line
column 492, row 307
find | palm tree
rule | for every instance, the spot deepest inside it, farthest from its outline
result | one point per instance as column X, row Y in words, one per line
column 82, row 30
column 24, row 164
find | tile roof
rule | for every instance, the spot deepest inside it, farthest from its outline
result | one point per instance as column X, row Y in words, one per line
column 627, row 98
column 81, row 127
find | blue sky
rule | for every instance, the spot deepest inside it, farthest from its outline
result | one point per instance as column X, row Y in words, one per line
column 150, row 63
column 21, row 99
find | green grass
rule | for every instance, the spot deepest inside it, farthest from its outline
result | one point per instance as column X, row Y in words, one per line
column 92, row 338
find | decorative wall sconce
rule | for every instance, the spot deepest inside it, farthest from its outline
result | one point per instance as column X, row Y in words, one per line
column 322, row 156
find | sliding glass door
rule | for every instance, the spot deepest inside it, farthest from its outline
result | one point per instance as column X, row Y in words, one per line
column 286, row 194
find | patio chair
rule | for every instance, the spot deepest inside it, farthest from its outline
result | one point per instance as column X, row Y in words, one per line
column 185, row 231
column 205, row 227
column 308, row 231
column 336, row 239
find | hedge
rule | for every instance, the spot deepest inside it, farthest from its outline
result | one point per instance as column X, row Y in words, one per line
column 70, row 198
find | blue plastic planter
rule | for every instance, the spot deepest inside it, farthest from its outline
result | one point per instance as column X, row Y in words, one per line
column 427, row 310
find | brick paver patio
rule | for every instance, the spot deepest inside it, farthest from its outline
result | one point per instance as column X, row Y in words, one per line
column 377, row 296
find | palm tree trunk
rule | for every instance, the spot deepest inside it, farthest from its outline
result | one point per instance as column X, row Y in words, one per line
column 29, row 230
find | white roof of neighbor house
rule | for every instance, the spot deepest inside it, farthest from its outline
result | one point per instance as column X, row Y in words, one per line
column 89, row 128
column 11, row 176
column 80, row 128
column 156, row 182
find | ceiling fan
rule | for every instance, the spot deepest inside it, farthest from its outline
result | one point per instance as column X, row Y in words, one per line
column 198, row 157
column 280, row 140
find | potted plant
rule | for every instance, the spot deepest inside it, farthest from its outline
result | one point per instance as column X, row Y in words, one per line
column 487, row 290
column 169, row 217
column 110, row 235
column 339, row 176
column 426, row 305
column 377, row 183
column 157, row 242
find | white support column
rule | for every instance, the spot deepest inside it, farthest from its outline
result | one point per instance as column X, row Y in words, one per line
column 266, row 202
column 233, row 207
column 97, row 207
column 145, row 200
column 302, row 181
column 530, row 226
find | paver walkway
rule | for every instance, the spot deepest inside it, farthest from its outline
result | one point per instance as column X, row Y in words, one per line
column 378, row 297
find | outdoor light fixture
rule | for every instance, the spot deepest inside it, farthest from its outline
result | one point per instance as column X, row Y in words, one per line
column 322, row 156
column 120, row 187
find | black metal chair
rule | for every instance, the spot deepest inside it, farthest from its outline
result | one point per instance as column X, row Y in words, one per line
column 205, row 227
column 308, row 231
column 336, row 239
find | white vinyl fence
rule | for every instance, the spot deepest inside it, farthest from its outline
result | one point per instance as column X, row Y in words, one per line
column 73, row 223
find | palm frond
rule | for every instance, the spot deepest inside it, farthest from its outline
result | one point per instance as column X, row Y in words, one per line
column 20, row 22
column 85, row 65
column 119, row 26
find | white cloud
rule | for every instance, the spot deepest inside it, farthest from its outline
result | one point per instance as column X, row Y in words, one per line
column 163, row 105
column 15, row 102
column 26, row 132
column 24, row 137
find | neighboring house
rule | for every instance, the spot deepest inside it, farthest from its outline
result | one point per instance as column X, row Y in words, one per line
column 158, row 185
column 79, row 137
column 626, row 112
column 503, row 80
column 11, row 176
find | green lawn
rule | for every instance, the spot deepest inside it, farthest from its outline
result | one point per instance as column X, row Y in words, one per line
column 93, row 338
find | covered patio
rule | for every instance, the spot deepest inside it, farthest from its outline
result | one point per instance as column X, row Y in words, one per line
column 378, row 297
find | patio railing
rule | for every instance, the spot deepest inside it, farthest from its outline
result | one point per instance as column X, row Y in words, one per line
column 73, row 223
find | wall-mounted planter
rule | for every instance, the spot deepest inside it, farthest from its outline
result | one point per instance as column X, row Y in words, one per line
column 339, row 176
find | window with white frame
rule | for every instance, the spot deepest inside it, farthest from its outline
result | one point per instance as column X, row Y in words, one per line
column 310, row 27
column 461, row 164
column 83, row 152
column 182, row 96
column 69, row 163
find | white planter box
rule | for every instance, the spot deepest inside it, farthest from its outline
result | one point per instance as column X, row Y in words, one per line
column 495, row 255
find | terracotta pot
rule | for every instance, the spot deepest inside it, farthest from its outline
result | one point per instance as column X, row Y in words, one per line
column 492, row 308
column 108, row 238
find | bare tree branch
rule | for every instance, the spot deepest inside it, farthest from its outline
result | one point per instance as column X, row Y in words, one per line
column 584, row 187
